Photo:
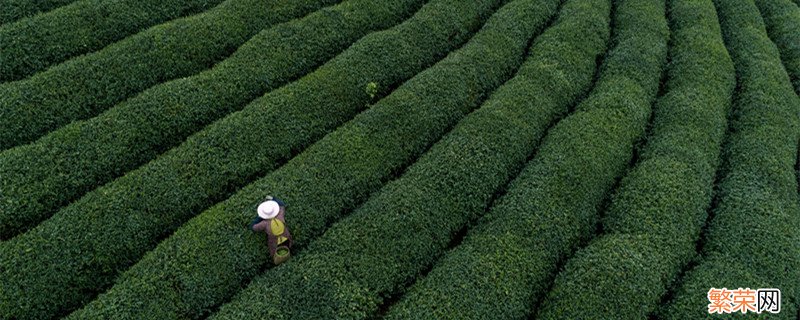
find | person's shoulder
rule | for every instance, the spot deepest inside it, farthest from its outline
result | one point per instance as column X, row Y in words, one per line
column 256, row 221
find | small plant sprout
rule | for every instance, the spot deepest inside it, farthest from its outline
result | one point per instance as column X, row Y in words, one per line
column 372, row 89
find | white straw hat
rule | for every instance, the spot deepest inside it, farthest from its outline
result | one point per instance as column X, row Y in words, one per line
column 268, row 209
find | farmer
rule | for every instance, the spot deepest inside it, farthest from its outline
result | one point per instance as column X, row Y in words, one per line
column 271, row 220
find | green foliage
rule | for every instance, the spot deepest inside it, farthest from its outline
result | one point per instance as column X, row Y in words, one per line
column 64, row 267
column 31, row 45
column 371, row 90
column 782, row 19
column 397, row 233
column 144, row 137
column 752, row 239
column 43, row 176
column 330, row 178
column 656, row 216
column 87, row 85
column 514, row 251
column 14, row 10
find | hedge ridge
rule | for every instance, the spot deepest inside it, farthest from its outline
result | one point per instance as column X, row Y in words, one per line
column 14, row 10
column 782, row 19
column 450, row 184
column 513, row 252
column 31, row 45
column 61, row 269
column 87, row 85
column 328, row 179
column 751, row 239
column 657, row 214
column 64, row 165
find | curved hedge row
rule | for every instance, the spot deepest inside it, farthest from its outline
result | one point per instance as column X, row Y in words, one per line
column 782, row 18
column 85, row 86
column 752, row 239
column 59, row 168
column 329, row 178
column 33, row 44
column 14, row 10
column 505, row 263
column 372, row 253
column 60, row 268
column 657, row 215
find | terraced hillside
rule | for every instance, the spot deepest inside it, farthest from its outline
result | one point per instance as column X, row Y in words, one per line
column 439, row 159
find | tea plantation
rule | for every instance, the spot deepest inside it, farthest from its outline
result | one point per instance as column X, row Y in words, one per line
column 439, row 159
